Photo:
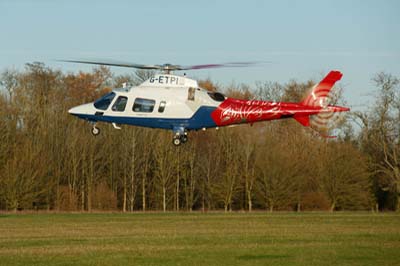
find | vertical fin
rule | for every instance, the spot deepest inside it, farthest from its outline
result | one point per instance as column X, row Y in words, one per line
column 319, row 92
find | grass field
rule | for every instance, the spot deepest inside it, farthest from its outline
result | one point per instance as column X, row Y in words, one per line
column 200, row 239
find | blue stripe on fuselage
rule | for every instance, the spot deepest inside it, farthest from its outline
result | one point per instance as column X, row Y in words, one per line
column 200, row 119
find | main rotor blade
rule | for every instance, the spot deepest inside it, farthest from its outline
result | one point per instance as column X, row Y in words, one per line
column 230, row 64
column 113, row 63
column 165, row 67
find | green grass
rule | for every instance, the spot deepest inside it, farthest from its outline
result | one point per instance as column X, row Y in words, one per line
column 200, row 239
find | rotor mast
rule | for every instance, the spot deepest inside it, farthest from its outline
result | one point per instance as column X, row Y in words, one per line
column 168, row 68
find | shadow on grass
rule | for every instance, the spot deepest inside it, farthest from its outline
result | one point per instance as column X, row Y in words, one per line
column 262, row 257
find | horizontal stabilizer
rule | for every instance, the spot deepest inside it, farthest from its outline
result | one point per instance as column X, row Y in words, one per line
column 304, row 120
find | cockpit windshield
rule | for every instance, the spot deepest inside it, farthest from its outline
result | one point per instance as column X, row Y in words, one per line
column 104, row 101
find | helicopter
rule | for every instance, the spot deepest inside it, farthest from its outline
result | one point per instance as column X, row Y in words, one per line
column 178, row 103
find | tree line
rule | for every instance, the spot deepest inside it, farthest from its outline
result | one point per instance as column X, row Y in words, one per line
column 50, row 161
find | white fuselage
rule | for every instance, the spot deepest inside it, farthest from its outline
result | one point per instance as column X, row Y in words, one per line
column 167, row 98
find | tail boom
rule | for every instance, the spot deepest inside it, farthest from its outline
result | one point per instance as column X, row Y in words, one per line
column 235, row 111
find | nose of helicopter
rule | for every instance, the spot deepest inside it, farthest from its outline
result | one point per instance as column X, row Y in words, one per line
column 84, row 109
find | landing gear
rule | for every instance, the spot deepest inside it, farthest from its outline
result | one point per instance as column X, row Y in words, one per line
column 184, row 138
column 95, row 130
column 176, row 141
column 180, row 138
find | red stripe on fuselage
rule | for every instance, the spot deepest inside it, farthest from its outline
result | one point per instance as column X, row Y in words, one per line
column 234, row 111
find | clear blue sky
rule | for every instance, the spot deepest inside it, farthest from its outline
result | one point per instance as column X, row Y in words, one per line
column 304, row 39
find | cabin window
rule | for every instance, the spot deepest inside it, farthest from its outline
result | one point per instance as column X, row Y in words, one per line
column 143, row 105
column 104, row 101
column 120, row 104
column 162, row 106
column 217, row 96
column 191, row 92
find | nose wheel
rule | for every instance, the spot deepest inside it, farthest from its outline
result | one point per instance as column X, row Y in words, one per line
column 176, row 141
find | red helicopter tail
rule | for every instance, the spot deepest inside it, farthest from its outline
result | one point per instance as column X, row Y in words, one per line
column 318, row 97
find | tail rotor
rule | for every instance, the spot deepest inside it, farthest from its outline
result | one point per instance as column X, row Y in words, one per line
column 322, row 96
column 329, row 118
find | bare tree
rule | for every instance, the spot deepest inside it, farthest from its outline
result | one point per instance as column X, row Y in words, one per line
column 344, row 176
column 276, row 174
column 49, row 160
column 248, row 153
column 145, row 162
column 228, row 178
column 164, row 158
column 189, row 175
column 381, row 134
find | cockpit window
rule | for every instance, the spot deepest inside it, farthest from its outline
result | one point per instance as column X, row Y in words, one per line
column 120, row 103
column 217, row 96
column 104, row 101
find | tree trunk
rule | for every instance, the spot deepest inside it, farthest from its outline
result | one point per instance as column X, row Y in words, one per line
column 177, row 182
column 82, row 197
column 144, row 176
column 133, row 179
column 186, row 190
column 192, row 188
column 124, row 195
column 203, row 200
column 203, row 204
column 58, row 193
column 177, row 193
column 246, row 192
column 70, row 191
column 298, row 208
column 143, row 193
column 90, row 182
column 248, row 196
column 398, row 202
column 132, row 198
column 250, row 202
column 208, row 190
column 333, row 205
column 89, row 200
column 164, row 199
